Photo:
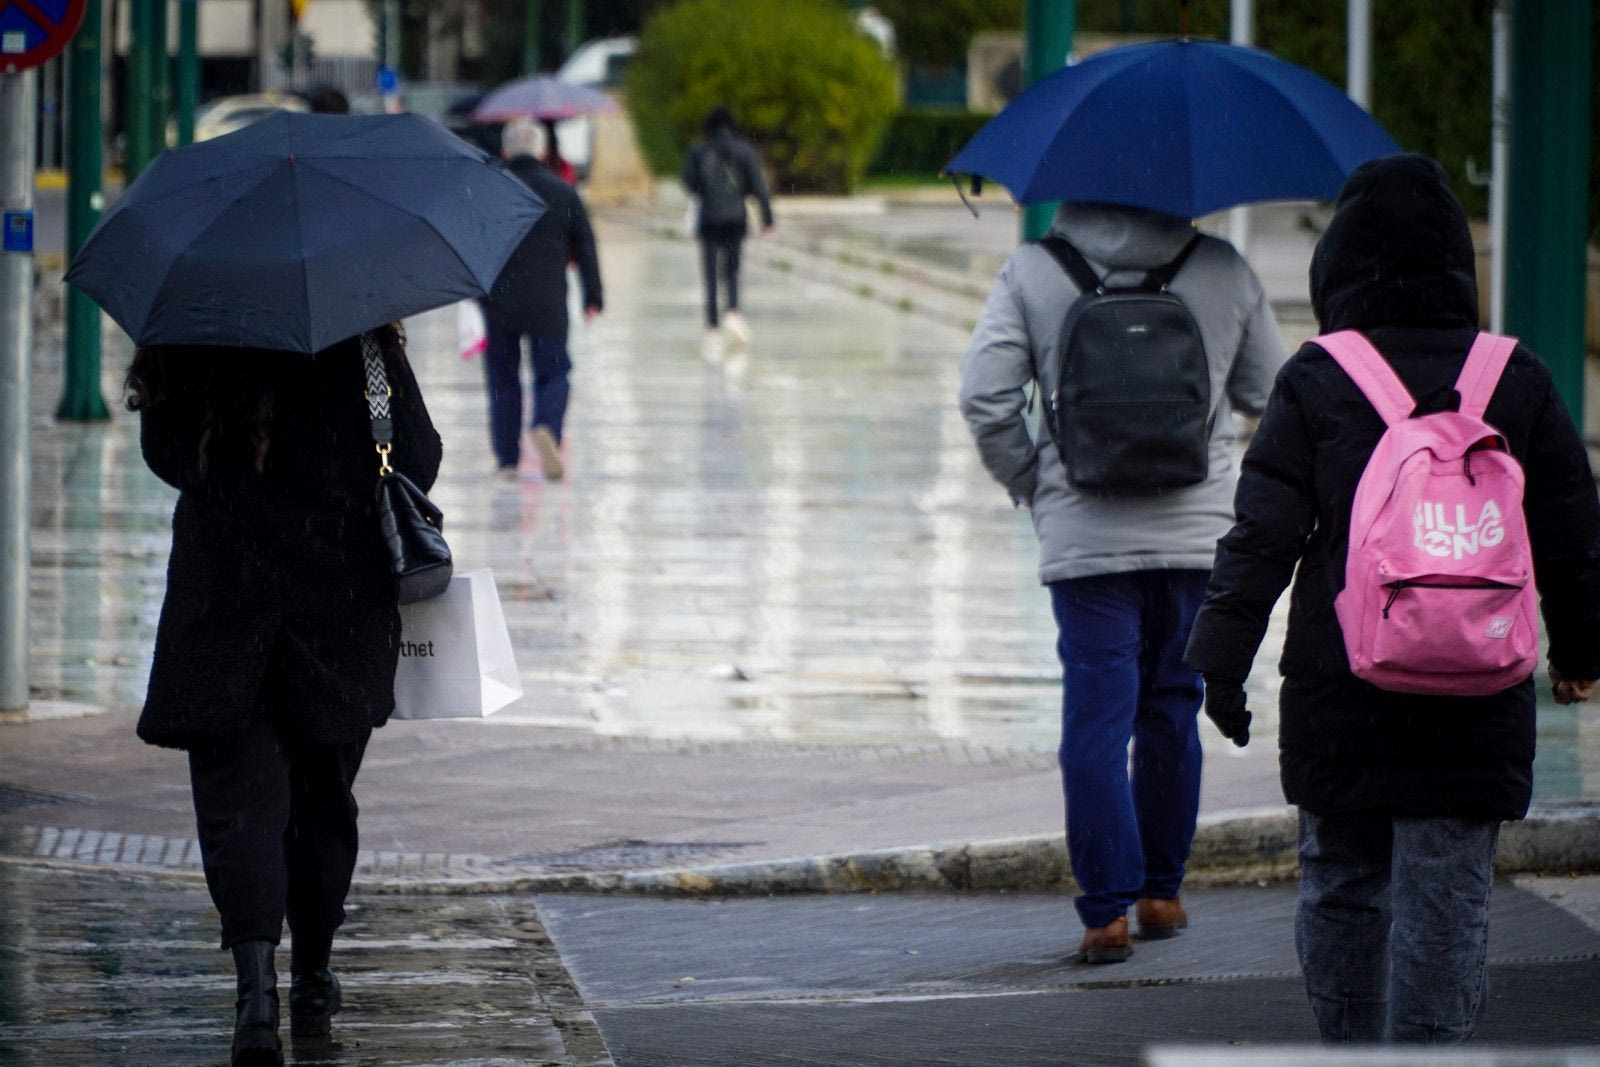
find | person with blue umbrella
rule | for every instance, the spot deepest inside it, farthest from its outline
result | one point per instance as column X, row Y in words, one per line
column 1144, row 339
column 261, row 275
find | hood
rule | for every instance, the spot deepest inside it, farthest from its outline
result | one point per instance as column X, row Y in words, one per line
column 1122, row 238
column 1397, row 252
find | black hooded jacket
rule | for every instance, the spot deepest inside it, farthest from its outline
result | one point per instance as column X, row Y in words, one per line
column 1397, row 264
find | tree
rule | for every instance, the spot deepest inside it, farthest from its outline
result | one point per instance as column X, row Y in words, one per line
column 939, row 33
column 811, row 91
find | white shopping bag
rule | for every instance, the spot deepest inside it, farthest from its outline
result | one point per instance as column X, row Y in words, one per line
column 455, row 654
column 472, row 332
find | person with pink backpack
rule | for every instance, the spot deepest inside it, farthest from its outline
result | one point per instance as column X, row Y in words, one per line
column 1424, row 486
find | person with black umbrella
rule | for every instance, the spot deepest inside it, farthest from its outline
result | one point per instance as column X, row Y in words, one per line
column 262, row 275
column 276, row 650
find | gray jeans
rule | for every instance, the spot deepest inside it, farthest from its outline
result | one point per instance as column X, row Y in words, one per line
column 1393, row 925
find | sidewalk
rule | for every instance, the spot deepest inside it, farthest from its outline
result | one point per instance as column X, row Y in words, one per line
column 777, row 629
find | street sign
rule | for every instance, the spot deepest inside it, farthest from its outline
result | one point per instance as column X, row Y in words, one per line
column 17, row 231
column 388, row 80
column 32, row 32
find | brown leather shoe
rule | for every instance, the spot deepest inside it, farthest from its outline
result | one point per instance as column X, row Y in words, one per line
column 1159, row 919
column 1106, row 944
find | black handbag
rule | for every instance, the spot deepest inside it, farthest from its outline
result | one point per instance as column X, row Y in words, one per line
column 412, row 526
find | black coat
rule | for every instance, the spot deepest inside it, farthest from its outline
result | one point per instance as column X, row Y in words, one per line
column 1396, row 263
column 279, row 598
column 530, row 296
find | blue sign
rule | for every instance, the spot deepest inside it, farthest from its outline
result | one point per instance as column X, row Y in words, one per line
column 388, row 79
column 33, row 31
column 17, row 230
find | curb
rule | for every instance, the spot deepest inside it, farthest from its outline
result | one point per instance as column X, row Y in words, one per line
column 1242, row 847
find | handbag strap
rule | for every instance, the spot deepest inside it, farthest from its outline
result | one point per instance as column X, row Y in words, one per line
column 378, row 393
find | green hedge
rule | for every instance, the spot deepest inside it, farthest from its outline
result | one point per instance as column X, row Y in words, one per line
column 920, row 141
column 810, row 91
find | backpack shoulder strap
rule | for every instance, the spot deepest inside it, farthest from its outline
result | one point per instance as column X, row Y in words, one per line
column 1161, row 277
column 1072, row 261
column 1481, row 373
column 1371, row 372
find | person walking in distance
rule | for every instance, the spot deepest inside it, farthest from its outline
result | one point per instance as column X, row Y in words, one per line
column 1403, row 775
column 529, row 300
column 722, row 172
column 279, row 635
column 1144, row 338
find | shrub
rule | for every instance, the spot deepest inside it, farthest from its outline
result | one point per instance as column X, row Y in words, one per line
column 920, row 141
column 811, row 92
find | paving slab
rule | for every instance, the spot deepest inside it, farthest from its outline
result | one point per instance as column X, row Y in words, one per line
column 98, row 971
column 987, row 978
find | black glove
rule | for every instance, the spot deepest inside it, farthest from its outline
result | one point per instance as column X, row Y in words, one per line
column 1225, row 707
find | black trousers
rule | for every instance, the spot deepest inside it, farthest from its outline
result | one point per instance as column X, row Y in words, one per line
column 277, row 827
column 720, row 246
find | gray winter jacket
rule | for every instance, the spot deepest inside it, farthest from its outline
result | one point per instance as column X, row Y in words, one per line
column 1081, row 534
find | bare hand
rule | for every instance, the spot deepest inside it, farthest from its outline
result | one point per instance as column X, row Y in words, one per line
column 590, row 314
column 767, row 231
column 1570, row 690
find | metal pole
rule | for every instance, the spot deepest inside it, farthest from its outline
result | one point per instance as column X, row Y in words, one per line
column 574, row 28
column 391, row 50
column 160, row 78
column 1547, row 200
column 136, row 100
column 1499, row 164
column 17, row 111
column 530, row 36
column 188, row 68
column 81, row 399
column 1243, row 31
column 1358, row 52
column 1047, row 42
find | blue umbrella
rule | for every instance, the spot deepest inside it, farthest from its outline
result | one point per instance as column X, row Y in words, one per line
column 303, row 230
column 1185, row 127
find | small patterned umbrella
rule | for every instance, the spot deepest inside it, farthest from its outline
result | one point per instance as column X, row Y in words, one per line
column 541, row 97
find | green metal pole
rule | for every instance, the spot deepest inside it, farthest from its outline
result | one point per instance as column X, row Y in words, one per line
column 1047, row 36
column 188, row 68
column 160, row 78
column 136, row 151
column 530, row 36
column 1547, row 209
column 574, row 29
column 80, row 395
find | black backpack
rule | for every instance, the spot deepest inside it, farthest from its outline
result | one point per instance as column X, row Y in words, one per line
column 1132, row 402
column 721, row 188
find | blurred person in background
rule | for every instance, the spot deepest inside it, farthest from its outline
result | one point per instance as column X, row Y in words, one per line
column 553, row 158
column 529, row 300
column 721, row 173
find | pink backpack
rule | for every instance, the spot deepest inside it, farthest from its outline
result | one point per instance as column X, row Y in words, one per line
column 1438, row 595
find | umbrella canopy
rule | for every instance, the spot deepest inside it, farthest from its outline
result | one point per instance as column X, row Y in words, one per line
column 302, row 230
column 1185, row 127
column 541, row 97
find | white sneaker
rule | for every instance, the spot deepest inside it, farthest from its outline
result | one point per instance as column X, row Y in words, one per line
column 738, row 332
column 711, row 347
column 544, row 443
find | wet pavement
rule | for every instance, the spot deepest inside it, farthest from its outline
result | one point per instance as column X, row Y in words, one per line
column 98, row 970
column 101, row 971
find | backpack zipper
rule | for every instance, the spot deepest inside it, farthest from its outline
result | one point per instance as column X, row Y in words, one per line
column 1396, row 588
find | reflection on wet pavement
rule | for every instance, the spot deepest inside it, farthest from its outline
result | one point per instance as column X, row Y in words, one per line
column 100, row 971
column 797, row 546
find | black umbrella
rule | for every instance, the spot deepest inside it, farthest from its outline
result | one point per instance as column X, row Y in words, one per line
column 302, row 230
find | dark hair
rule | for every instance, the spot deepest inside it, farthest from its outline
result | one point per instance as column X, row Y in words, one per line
column 718, row 119
column 231, row 393
column 326, row 100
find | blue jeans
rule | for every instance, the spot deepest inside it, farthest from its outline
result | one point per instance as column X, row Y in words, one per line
column 502, row 365
column 1393, row 925
column 1121, row 647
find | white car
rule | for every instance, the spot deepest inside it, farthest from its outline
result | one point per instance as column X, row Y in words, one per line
column 602, row 63
column 228, row 113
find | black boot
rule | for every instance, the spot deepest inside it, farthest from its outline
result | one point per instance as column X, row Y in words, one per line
column 314, row 994
column 255, row 1018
